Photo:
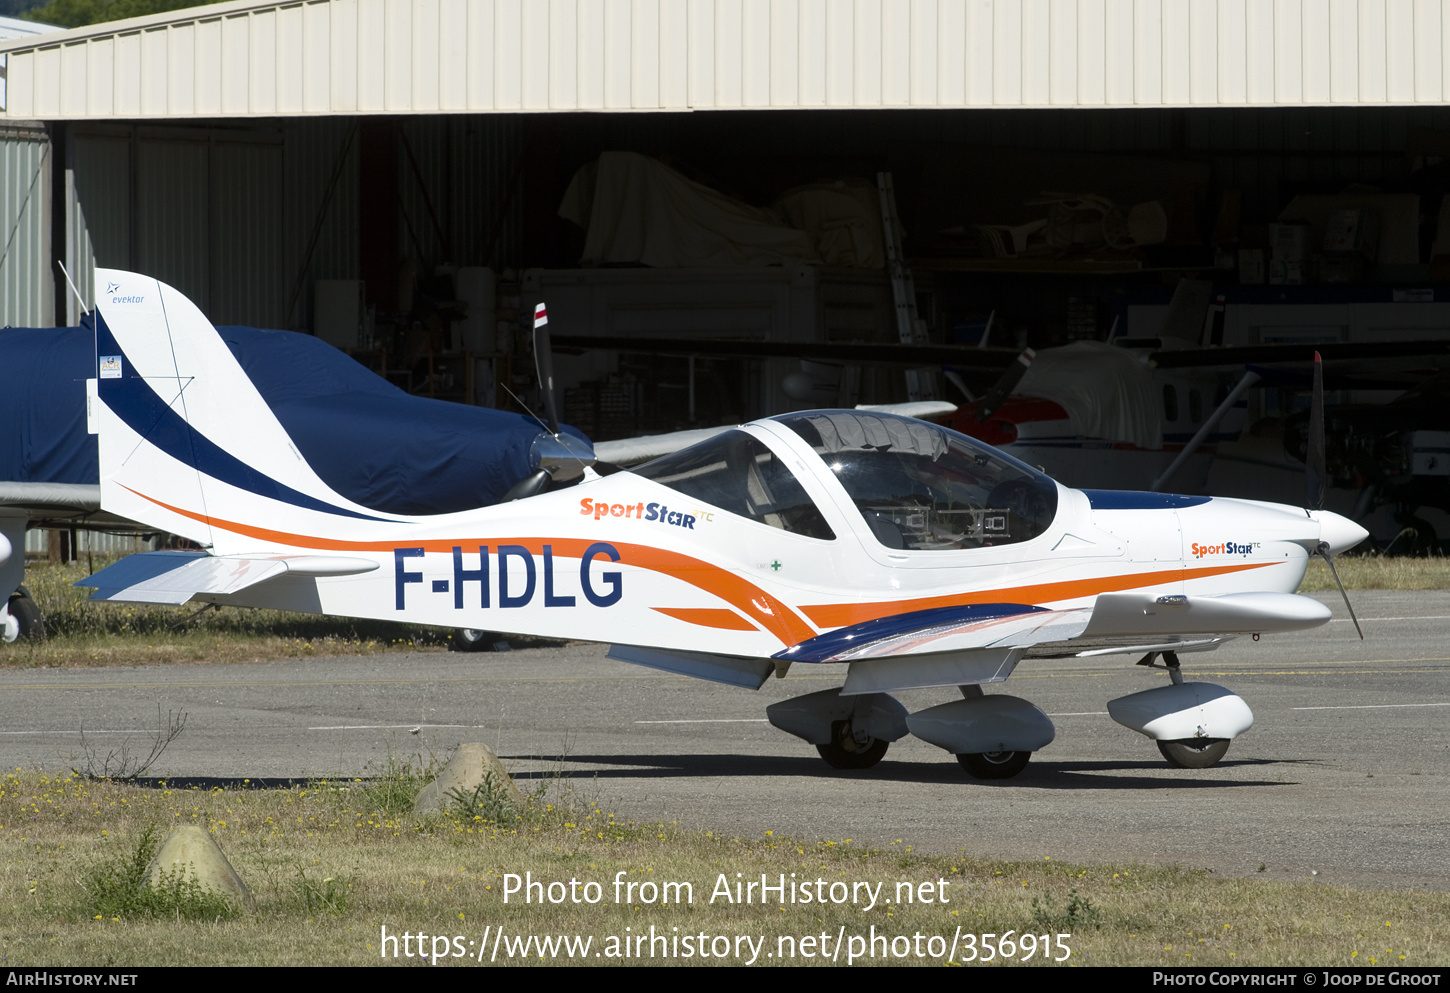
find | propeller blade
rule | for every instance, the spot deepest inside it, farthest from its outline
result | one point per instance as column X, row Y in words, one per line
column 1316, row 475
column 544, row 365
column 1323, row 549
column 1005, row 384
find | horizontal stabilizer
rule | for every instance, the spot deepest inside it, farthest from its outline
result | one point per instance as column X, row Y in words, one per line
column 175, row 577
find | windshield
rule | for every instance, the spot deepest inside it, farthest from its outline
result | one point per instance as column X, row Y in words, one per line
column 920, row 486
column 738, row 473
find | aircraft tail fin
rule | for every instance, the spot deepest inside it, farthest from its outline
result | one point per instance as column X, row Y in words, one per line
column 187, row 443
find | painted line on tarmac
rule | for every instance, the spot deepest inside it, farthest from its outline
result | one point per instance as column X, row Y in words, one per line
column 392, row 727
column 1373, row 706
column 717, row 720
column 77, row 731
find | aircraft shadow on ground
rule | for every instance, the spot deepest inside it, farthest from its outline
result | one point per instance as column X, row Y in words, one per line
column 1038, row 775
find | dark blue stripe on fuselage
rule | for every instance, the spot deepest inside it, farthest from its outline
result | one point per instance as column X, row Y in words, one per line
column 138, row 405
column 826, row 646
column 1141, row 500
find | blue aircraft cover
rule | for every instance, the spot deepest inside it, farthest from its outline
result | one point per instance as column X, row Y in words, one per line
column 370, row 441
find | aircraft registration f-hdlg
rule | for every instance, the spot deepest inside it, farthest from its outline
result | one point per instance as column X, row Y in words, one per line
column 908, row 554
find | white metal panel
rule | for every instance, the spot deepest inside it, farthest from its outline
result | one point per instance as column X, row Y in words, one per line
column 1006, row 55
column 1259, row 51
column 343, row 55
column 314, row 57
column 236, row 64
column 590, row 49
column 1288, row 51
column 563, row 82
column 262, row 63
column 840, row 56
column 1035, row 58
column 252, row 58
column 784, row 44
column 208, row 68
column 101, row 74
column 1344, row 51
column 645, row 54
column 288, row 88
column 1092, row 51
column 1148, row 52
column 980, row 51
column 398, row 26
column 1233, row 86
column 812, row 72
column 1062, row 49
column 155, row 68
column 755, row 53
column 1316, row 51
column 126, row 97
column 1202, row 48
column 372, row 57
column 180, row 56
column 426, row 45
column 1372, row 40
column 1428, row 53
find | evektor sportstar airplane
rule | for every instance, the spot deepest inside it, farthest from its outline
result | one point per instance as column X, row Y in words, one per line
column 909, row 554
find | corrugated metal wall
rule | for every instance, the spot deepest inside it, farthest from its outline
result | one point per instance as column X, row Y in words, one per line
column 25, row 285
column 478, row 56
column 244, row 221
column 465, row 167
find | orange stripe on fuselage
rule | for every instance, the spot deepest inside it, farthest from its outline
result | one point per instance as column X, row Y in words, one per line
column 770, row 613
column 708, row 617
column 836, row 615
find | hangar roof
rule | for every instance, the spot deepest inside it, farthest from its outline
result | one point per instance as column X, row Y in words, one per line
column 251, row 59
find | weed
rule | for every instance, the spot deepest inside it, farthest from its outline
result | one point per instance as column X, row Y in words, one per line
column 119, row 763
column 397, row 788
column 489, row 800
column 315, row 897
column 1076, row 914
column 119, row 887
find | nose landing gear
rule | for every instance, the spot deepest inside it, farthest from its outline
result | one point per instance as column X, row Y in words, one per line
column 1192, row 723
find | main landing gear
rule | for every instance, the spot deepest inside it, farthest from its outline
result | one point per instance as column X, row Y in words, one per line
column 993, row 737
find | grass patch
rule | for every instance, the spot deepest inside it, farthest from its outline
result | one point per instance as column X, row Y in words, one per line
column 117, row 887
column 1379, row 572
column 333, row 863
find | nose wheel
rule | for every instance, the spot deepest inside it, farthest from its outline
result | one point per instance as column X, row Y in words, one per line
column 1193, row 753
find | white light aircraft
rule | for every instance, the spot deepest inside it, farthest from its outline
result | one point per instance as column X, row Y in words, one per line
column 904, row 554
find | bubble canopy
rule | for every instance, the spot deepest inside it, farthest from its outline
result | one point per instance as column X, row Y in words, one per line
column 922, row 487
column 917, row 486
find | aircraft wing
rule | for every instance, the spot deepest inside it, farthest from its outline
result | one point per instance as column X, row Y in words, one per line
column 976, row 643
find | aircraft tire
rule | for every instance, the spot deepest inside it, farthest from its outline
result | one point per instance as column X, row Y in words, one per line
column 32, row 622
column 845, row 753
column 473, row 640
column 994, row 765
column 1193, row 753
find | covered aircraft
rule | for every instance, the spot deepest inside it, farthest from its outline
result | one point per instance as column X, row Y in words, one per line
column 911, row 555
